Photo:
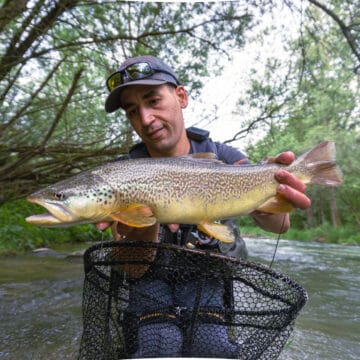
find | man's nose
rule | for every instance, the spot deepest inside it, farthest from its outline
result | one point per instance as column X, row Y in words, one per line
column 146, row 116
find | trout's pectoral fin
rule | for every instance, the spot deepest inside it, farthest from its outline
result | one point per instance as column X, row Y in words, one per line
column 223, row 233
column 276, row 205
column 135, row 215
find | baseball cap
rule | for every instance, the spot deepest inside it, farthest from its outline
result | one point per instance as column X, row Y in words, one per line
column 140, row 70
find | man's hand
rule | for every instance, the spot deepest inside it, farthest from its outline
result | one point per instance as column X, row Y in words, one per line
column 126, row 229
column 126, row 254
column 290, row 186
column 124, row 232
column 103, row 225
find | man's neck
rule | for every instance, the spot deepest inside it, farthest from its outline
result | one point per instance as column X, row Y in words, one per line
column 182, row 148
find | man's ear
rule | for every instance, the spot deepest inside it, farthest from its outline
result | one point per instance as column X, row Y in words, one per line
column 182, row 96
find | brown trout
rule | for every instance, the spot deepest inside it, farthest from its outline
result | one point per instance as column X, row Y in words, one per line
column 178, row 190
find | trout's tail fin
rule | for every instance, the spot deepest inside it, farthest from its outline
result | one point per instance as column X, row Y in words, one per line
column 317, row 166
column 320, row 165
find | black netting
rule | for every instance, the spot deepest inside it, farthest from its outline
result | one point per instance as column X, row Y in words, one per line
column 159, row 300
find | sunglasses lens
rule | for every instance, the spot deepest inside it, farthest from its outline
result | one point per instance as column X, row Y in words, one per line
column 139, row 71
column 114, row 81
column 133, row 72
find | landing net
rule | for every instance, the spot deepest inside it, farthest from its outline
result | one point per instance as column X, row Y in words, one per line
column 158, row 300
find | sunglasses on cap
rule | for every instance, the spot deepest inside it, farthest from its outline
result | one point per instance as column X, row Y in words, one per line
column 138, row 71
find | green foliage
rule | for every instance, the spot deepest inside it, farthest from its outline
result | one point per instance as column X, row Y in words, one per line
column 346, row 235
column 16, row 235
column 321, row 104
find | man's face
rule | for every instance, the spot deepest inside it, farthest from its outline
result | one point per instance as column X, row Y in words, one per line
column 155, row 112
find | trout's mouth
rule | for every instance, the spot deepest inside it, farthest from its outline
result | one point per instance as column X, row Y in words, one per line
column 58, row 213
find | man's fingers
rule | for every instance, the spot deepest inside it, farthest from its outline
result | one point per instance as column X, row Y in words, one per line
column 285, row 158
column 295, row 197
column 102, row 225
column 286, row 178
column 125, row 232
column 173, row 227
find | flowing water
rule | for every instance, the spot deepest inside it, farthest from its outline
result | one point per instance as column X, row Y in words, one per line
column 41, row 294
column 328, row 328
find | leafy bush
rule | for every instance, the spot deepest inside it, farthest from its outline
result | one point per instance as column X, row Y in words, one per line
column 16, row 235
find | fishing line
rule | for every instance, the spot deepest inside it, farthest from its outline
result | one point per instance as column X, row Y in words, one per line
column 102, row 240
column 277, row 242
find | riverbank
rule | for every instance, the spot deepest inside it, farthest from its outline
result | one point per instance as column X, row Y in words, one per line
column 345, row 235
column 19, row 239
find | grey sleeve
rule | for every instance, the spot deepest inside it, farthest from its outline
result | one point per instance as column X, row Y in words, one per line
column 230, row 155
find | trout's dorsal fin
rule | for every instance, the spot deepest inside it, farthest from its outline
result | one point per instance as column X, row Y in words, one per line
column 223, row 233
column 135, row 215
column 202, row 156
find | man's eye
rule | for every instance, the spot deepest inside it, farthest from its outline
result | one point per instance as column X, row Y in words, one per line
column 131, row 113
column 155, row 101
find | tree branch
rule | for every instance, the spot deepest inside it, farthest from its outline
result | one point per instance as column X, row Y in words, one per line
column 15, row 52
column 345, row 30
column 63, row 107
column 122, row 37
column 20, row 112
column 11, row 10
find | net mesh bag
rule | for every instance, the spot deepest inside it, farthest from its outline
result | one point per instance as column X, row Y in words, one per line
column 144, row 299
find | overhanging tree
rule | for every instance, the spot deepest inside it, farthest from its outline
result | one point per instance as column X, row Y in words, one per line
column 54, row 59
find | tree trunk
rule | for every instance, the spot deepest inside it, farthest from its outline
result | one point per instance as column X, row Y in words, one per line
column 335, row 218
column 310, row 217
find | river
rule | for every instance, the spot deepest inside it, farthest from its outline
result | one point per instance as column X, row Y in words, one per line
column 41, row 294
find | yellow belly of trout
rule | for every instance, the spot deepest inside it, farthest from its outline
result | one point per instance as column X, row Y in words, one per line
column 193, row 210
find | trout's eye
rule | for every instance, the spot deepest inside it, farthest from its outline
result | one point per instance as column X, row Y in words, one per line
column 59, row 196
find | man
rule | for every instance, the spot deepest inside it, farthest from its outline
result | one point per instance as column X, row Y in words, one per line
column 153, row 100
